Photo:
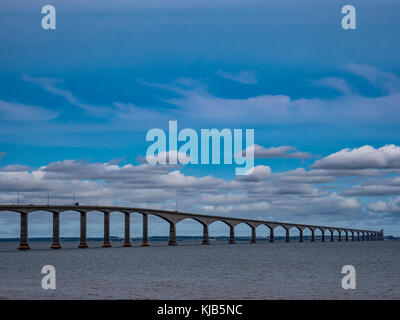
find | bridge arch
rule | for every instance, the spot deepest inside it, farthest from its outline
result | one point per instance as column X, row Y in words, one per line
column 242, row 230
column 263, row 231
column 322, row 233
column 309, row 233
column 215, row 227
column 195, row 227
column 297, row 231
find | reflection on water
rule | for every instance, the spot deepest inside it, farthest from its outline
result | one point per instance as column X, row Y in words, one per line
column 191, row 271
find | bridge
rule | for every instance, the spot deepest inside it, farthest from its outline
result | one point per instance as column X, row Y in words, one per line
column 173, row 217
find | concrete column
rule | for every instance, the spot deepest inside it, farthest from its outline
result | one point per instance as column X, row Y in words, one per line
column 322, row 235
column 56, row 231
column 172, row 235
column 331, row 235
column 352, row 236
column 232, row 235
column 358, row 236
column 205, row 235
column 363, row 237
column 253, row 235
column 23, row 245
column 340, row 236
column 145, row 240
column 106, row 243
column 347, row 236
column 271, row 235
column 127, row 238
column 312, row 235
column 83, row 243
column 301, row 236
column 287, row 236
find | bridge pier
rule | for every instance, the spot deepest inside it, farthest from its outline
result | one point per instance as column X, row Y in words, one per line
column 172, row 234
column 145, row 240
column 23, row 244
column 127, row 238
column 253, row 235
column 83, row 243
column 347, row 236
column 271, row 235
column 312, row 236
column 56, row 231
column 331, row 235
column 363, row 237
column 340, row 236
column 352, row 236
column 232, row 235
column 106, row 242
column 301, row 236
column 205, row 235
column 287, row 239
column 358, row 236
column 322, row 235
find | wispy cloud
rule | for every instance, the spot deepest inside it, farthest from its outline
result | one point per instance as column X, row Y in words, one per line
column 22, row 112
column 244, row 77
column 338, row 84
column 49, row 85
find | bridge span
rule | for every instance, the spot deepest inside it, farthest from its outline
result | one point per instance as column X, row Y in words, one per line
column 173, row 217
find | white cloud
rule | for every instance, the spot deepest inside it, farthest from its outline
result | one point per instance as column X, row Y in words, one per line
column 391, row 206
column 366, row 157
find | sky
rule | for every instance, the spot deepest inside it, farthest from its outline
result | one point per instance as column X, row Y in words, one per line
column 76, row 104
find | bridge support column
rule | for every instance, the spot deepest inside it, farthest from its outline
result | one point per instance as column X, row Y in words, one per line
column 106, row 242
column 312, row 236
column 23, row 244
column 56, row 231
column 83, row 243
column 287, row 236
column 352, row 237
column 340, row 236
column 322, row 235
column 127, row 238
column 271, row 235
column 205, row 235
column 301, row 236
column 253, row 235
column 331, row 235
column 172, row 234
column 347, row 236
column 363, row 237
column 232, row 235
column 145, row 240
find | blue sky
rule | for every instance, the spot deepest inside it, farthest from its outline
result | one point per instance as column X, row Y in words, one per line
column 81, row 98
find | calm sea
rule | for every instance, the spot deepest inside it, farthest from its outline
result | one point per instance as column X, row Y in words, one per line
column 191, row 271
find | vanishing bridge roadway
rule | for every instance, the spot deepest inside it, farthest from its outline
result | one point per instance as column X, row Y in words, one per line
column 172, row 217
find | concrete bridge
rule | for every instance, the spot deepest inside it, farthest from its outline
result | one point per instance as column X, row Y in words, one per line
column 173, row 217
